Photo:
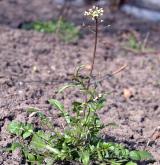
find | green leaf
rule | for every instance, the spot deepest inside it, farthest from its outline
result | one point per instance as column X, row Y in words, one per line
column 77, row 107
column 31, row 110
column 14, row 146
column 92, row 148
column 57, row 104
column 77, row 70
column 134, row 155
column 144, row 155
column 42, row 116
column 140, row 155
column 31, row 157
column 131, row 163
column 49, row 161
column 44, row 135
column 113, row 162
column 39, row 160
column 85, row 158
column 15, row 128
column 38, row 143
column 51, row 149
column 28, row 130
column 27, row 134
column 65, row 87
column 100, row 157
column 60, row 107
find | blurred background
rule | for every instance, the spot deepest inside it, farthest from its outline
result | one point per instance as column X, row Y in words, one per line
column 14, row 12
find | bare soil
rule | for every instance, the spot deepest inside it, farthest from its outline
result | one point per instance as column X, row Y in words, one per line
column 34, row 64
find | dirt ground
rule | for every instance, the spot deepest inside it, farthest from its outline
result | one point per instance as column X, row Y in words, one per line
column 34, row 64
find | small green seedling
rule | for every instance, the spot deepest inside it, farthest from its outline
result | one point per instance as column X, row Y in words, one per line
column 67, row 31
column 133, row 43
column 136, row 46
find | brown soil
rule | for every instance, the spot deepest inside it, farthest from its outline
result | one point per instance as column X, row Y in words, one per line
column 34, row 64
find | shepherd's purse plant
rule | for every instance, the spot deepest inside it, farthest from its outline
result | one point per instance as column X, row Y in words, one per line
column 80, row 140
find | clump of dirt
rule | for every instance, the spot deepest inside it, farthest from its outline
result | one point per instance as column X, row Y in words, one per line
column 34, row 64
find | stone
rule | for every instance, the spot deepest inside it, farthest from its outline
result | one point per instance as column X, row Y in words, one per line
column 141, row 13
column 148, row 4
column 143, row 9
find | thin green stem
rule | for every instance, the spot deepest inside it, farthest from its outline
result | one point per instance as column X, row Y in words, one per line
column 93, row 62
column 94, row 53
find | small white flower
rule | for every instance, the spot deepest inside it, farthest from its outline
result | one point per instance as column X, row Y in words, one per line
column 94, row 13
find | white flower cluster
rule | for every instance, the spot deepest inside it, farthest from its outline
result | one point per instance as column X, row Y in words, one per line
column 94, row 12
